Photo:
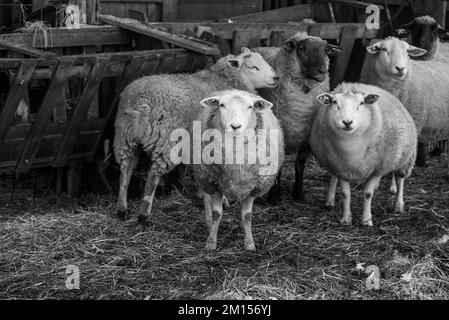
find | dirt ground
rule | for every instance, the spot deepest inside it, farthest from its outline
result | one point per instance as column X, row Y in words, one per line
column 302, row 251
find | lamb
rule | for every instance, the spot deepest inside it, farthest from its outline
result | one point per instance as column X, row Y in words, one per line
column 238, row 116
column 420, row 85
column 424, row 32
column 151, row 107
column 303, row 67
column 361, row 133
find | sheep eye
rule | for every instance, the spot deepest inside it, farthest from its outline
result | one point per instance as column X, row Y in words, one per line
column 221, row 105
column 361, row 103
column 255, row 68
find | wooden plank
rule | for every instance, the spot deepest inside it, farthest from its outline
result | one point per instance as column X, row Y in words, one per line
column 63, row 37
column 17, row 92
column 52, row 97
column 137, row 27
column 169, row 10
column 293, row 13
column 24, row 49
column 277, row 38
column 80, row 112
column 347, row 40
column 201, row 10
column 245, row 38
column 226, row 30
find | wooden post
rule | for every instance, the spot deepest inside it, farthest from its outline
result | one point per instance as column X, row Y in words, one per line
column 74, row 179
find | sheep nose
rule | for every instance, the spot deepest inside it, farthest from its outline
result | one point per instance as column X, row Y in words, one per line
column 400, row 70
column 276, row 78
column 236, row 126
column 347, row 123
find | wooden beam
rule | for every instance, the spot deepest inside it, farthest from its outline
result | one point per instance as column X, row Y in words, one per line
column 24, row 49
column 80, row 112
column 62, row 37
column 17, row 92
column 135, row 26
column 293, row 13
column 52, row 97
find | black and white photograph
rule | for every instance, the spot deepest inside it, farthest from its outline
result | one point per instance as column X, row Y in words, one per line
column 224, row 156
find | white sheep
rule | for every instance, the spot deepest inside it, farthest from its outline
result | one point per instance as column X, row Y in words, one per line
column 303, row 67
column 151, row 107
column 235, row 115
column 361, row 133
column 422, row 86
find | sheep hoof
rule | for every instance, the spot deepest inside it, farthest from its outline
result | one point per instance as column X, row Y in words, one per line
column 329, row 206
column 399, row 208
column 123, row 214
column 210, row 246
column 393, row 190
column 143, row 220
column 250, row 246
column 368, row 223
column 346, row 221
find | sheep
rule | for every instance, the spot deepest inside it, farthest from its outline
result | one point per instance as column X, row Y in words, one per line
column 303, row 67
column 420, row 85
column 424, row 32
column 151, row 107
column 236, row 114
column 360, row 133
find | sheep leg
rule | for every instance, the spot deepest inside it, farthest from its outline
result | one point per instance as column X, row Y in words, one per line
column 330, row 201
column 300, row 165
column 274, row 195
column 247, row 215
column 213, row 207
column 367, row 219
column 148, row 197
column 127, row 167
column 399, row 203
column 393, row 187
column 347, row 215
column 421, row 157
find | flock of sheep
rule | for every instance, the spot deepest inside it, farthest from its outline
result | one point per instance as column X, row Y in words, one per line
column 359, row 132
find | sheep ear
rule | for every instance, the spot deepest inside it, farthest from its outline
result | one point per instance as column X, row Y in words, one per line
column 262, row 104
column 332, row 50
column 289, row 45
column 415, row 51
column 371, row 98
column 325, row 98
column 245, row 50
column 234, row 62
column 375, row 48
column 211, row 102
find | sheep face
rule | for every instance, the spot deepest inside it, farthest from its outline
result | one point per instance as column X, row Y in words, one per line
column 423, row 32
column 254, row 68
column 348, row 112
column 392, row 57
column 309, row 56
column 236, row 110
